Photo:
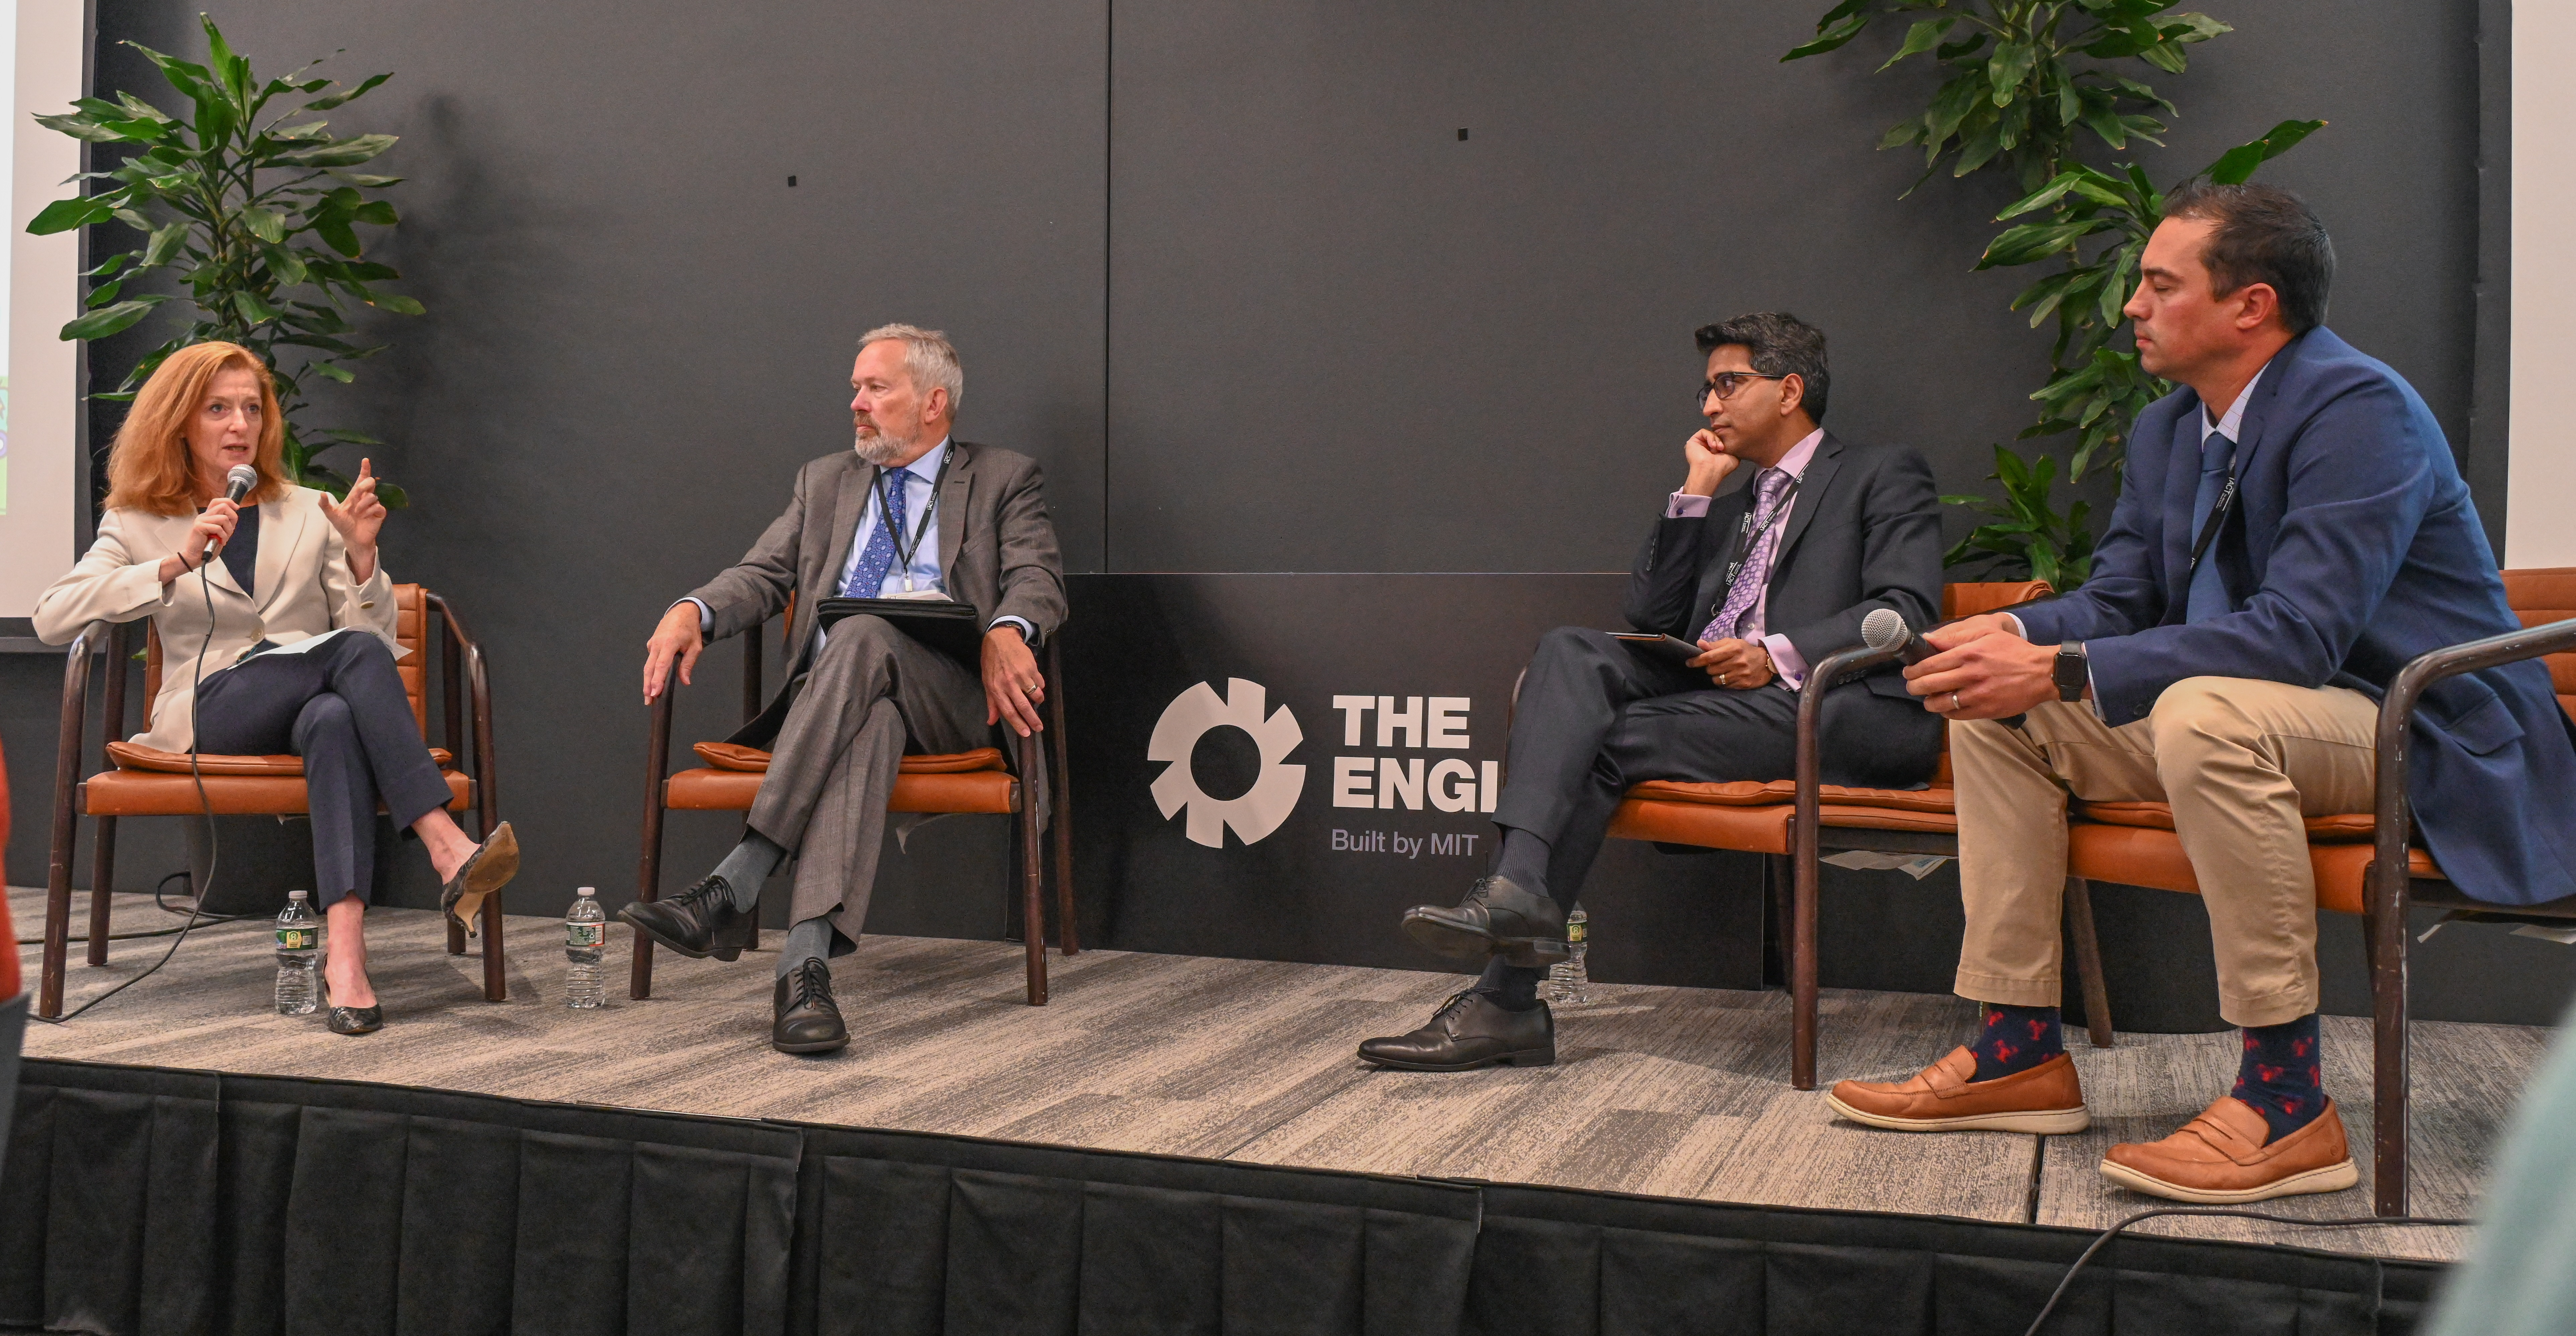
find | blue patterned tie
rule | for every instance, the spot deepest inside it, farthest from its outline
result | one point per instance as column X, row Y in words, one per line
column 2208, row 596
column 877, row 558
column 1756, row 573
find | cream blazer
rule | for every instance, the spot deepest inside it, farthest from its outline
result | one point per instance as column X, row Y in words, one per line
column 302, row 576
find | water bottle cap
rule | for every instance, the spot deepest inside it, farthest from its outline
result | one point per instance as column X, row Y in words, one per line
column 296, row 895
column 590, row 890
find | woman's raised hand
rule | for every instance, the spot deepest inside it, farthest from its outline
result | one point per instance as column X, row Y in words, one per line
column 358, row 518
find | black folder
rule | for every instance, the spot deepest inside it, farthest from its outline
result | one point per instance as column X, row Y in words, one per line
column 952, row 628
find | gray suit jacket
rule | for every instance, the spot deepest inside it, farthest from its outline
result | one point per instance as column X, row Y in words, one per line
column 997, row 551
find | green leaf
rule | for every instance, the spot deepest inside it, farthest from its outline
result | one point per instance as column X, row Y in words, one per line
column 377, row 212
column 398, row 304
column 2034, row 241
column 329, row 100
column 394, row 497
column 253, row 310
column 100, row 324
column 2237, row 164
column 265, row 223
column 331, row 371
column 65, row 214
column 2010, row 65
column 104, row 293
column 335, row 232
column 338, row 153
column 83, row 127
column 2165, row 56
column 1831, row 34
column 1922, row 37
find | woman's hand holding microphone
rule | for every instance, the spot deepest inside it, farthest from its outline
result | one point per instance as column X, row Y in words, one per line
column 213, row 529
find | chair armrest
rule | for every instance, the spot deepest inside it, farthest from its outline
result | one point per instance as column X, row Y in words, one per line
column 1811, row 709
column 2388, row 879
column 487, row 779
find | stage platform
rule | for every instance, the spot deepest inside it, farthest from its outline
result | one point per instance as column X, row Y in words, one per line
column 1670, row 1092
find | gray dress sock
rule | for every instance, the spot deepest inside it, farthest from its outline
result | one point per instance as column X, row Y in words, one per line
column 748, row 866
column 809, row 940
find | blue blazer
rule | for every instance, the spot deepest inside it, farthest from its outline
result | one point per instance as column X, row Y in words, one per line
column 2352, row 548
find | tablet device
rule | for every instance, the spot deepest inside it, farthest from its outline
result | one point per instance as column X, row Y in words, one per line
column 1663, row 647
column 949, row 627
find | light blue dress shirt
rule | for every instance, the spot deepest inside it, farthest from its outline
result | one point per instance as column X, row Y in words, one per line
column 924, row 570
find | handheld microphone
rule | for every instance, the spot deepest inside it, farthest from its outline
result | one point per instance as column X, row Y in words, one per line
column 1885, row 628
column 243, row 477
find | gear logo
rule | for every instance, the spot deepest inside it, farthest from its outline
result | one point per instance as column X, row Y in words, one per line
column 1260, row 809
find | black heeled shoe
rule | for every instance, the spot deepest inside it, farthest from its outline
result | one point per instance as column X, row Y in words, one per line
column 351, row 1020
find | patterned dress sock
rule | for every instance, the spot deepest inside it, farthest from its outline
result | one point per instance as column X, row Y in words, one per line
column 1521, row 859
column 2016, row 1039
column 809, row 940
column 2281, row 1075
column 748, row 867
column 1511, row 987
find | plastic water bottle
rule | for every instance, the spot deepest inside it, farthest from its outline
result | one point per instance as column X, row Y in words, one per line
column 1568, row 980
column 299, row 940
column 585, row 934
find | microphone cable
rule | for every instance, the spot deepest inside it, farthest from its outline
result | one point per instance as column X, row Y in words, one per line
column 2349, row 1222
column 205, row 807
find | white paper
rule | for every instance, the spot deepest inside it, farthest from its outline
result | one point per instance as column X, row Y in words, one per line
column 303, row 646
column 1917, row 866
column 2563, row 936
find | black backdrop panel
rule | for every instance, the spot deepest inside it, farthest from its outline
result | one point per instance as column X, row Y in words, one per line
column 1299, row 873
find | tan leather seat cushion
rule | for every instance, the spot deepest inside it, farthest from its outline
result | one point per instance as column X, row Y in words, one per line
column 2341, row 828
column 754, row 761
column 713, row 790
column 131, row 757
column 2145, row 856
column 154, row 793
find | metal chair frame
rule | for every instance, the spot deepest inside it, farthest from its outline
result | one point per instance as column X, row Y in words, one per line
column 1033, row 752
column 462, row 672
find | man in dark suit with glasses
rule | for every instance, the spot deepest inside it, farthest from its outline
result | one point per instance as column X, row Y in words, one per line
column 1780, row 540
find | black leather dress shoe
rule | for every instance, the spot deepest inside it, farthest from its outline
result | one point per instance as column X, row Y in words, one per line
column 698, row 922
column 1496, row 918
column 807, row 1020
column 1469, row 1031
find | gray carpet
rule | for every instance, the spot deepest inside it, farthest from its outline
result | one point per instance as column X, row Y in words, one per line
column 1669, row 1091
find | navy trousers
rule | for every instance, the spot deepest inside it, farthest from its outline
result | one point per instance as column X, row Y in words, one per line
column 343, row 709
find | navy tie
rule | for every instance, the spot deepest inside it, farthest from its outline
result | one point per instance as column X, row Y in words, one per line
column 2208, row 596
column 877, row 558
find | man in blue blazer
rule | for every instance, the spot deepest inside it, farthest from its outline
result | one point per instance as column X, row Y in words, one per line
column 2291, row 531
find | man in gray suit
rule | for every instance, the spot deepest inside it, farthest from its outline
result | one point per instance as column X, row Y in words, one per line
column 912, row 513
column 1780, row 539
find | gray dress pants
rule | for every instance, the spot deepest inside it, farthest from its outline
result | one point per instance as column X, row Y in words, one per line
column 343, row 709
column 872, row 695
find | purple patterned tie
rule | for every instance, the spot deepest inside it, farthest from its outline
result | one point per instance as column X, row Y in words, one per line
column 1768, row 488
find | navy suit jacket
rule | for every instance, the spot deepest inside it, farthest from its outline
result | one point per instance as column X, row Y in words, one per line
column 2352, row 548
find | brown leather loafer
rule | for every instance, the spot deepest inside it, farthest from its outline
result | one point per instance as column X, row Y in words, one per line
column 2046, row 1099
column 2219, row 1159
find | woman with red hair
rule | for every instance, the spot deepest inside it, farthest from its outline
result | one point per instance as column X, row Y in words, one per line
column 285, row 643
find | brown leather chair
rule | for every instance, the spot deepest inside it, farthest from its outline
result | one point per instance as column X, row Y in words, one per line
column 142, row 781
column 965, row 782
column 1791, row 821
column 2364, row 862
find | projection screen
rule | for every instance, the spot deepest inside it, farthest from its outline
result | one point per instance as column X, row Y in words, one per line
column 45, row 59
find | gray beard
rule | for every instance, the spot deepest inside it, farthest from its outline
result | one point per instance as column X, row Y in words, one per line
column 880, row 449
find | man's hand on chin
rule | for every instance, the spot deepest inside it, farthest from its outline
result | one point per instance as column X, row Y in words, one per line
column 1013, row 688
column 1984, row 670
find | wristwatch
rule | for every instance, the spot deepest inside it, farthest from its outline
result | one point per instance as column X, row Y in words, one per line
column 2071, row 671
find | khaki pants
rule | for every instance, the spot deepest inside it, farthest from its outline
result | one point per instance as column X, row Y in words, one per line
column 2240, row 761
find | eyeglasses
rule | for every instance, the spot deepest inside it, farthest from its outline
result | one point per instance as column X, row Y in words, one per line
column 1725, row 383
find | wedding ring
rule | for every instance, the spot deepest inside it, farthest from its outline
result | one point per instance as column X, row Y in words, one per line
column 1954, row 702
column 1721, row 679
column 1029, row 688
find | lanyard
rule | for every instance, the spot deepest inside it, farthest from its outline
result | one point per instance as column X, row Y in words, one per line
column 2217, row 518
column 903, row 550
column 1746, row 537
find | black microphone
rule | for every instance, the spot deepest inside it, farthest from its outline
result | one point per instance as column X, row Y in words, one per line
column 243, row 477
column 1885, row 628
